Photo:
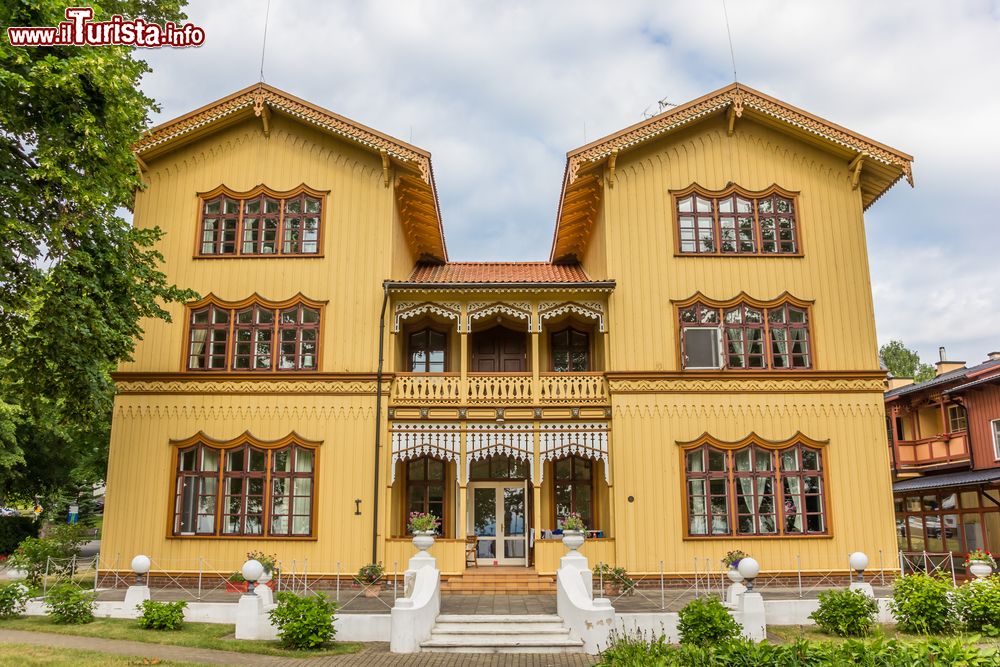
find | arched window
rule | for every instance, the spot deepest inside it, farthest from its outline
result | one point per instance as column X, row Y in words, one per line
column 291, row 491
column 196, row 491
column 789, row 329
column 573, row 489
column 736, row 222
column 707, row 491
column 219, row 219
column 425, row 488
column 298, row 333
column 254, row 331
column 570, row 351
column 301, row 228
column 243, row 479
column 209, row 339
column 261, row 216
column 428, row 351
column 802, row 490
column 753, row 473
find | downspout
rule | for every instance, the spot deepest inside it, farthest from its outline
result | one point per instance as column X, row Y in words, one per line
column 378, row 418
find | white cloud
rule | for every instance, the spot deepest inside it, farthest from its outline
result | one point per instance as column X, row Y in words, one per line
column 500, row 91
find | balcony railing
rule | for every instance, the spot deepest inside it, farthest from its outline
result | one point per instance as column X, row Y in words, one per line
column 500, row 389
column 936, row 450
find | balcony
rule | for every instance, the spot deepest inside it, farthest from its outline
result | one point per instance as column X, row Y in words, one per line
column 500, row 389
column 944, row 449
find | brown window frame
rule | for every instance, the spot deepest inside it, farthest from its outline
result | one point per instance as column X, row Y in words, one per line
column 574, row 482
column 294, row 452
column 777, row 475
column 262, row 193
column 255, row 303
column 211, row 328
column 425, row 483
column 426, row 348
column 700, row 312
column 938, row 544
column 754, row 475
column 259, row 226
column 569, row 348
column 223, row 449
column 299, row 328
column 707, row 220
column 254, row 328
column 961, row 418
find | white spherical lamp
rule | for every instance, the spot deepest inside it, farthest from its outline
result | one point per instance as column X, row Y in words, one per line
column 140, row 565
column 749, row 568
column 252, row 571
column 859, row 563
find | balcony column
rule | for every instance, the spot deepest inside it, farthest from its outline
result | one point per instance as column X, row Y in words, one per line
column 536, row 488
column 945, row 425
column 463, row 357
column 534, row 325
column 463, row 489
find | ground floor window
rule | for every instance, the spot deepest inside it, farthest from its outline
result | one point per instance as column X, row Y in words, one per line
column 244, row 487
column 574, row 489
column 425, row 488
column 956, row 521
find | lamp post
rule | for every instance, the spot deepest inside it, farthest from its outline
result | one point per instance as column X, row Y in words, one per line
column 141, row 565
column 859, row 563
column 252, row 571
column 749, row 568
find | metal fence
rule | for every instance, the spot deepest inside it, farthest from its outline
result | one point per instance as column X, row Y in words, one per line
column 928, row 562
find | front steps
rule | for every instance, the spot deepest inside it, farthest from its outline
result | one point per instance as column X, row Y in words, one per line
column 542, row 633
column 499, row 581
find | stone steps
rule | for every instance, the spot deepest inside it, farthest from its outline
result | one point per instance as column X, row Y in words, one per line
column 504, row 582
column 535, row 633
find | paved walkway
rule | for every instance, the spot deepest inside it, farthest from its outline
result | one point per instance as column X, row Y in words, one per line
column 374, row 655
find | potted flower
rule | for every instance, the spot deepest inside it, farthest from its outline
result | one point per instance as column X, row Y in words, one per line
column 980, row 563
column 370, row 578
column 270, row 563
column 236, row 583
column 424, row 527
column 732, row 561
column 613, row 580
column 573, row 531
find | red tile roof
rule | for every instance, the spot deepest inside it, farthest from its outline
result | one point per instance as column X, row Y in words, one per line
column 498, row 272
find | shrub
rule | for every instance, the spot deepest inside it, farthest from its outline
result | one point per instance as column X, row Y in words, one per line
column 13, row 598
column 13, row 529
column 845, row 613
column 303, row 622
column 705, row 620
column 61, row 544
column 269, row 561
column 977, row 605
column 68, row 604
column 922, row 603
column 161, row 615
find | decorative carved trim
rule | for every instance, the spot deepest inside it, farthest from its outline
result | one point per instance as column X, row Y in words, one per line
column 774, row 188
column 414, row 440
column 517, row 309
column 254, row 299
column 245, row 438
column 743, row 298
column 752, row 439
column 744, row 385
column 514, row 440
column 257, row 386
column 588, row 440
column 409, row 309
column 260, row 189
column 592, row 309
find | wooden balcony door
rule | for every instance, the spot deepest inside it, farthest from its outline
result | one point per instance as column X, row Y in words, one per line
column 499, row 350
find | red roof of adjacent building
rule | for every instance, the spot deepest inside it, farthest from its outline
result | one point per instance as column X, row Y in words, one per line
column 498, row 272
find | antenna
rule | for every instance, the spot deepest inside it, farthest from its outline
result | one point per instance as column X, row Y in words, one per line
column 662, row 105
column 263, row 44
column 729, row 33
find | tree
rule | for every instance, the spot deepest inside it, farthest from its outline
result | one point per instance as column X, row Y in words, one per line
column 903, row 362
column 76, row 279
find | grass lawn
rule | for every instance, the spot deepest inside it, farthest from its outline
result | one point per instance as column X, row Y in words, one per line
column 789, row 633
column 47, row 656
column 197, row 635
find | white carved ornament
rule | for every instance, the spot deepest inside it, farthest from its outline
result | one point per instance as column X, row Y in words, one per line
column 592, row 309
column 589, row 441
column 520, row 310
column 414, row 440
column 514, row 440
column 409, row 309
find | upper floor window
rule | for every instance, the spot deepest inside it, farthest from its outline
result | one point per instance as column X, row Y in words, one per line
column 244, row 488
column 957, row 420
column 735, row 221
column 995, row 424
column 260, row 223
column 241, row 336
column 427, row 351
column 756, row 490
column 744, row 334
column 570, row 351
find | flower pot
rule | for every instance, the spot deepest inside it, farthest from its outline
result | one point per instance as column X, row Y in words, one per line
column 734, row 575
column 266, row 577
column 612, row 590
column 372, row 590
column 573, row 539
column 236, row 587
column 423, row 539
column 980, row 569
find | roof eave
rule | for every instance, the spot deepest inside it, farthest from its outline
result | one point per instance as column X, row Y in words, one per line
column 597, row 285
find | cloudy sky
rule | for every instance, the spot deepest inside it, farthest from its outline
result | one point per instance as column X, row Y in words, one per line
column 499, row 91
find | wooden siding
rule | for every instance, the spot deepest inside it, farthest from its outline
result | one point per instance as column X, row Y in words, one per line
column 548, row 553
column 983, row 405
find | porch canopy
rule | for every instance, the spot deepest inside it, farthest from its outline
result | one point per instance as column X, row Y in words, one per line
column 948, row 481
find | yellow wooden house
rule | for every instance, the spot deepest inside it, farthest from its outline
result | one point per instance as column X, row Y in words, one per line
column 694, row 370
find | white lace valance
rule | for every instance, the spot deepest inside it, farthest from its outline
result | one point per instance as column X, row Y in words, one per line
column 588, row 440
column 516, row 309
column 514, row 440
column 411, row 441
column 591, row 309
column 408, row 309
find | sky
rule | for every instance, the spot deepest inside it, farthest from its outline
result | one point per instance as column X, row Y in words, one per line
column 498, row 92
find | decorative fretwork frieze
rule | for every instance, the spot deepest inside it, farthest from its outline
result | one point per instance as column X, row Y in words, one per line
column 586, row 440
column 414, row 440
column 409, row 309
column 590, row 309
column 492, row 439
column 520, row 310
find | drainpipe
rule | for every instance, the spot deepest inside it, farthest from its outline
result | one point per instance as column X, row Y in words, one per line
column 378, row 417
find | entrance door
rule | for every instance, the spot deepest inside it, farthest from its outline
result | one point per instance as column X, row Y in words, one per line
column 499, row 350
column 498, row 516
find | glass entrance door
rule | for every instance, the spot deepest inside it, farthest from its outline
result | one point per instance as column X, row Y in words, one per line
column 498, row 516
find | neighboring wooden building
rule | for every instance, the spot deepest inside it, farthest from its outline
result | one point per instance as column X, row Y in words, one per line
column 693, row 371
column 945, row 442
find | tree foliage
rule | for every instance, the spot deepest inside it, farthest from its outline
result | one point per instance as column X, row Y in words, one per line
column 76, row 279
column 903, row 362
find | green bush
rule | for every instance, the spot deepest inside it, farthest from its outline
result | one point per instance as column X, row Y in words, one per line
column 845, row 613
column 61, row 544
column 69, row 605
column 13, row 529
column 705, row 620
column 161, row 615
column 977, row 605
column 13, row 597
column 303, row 622
column 922, row 603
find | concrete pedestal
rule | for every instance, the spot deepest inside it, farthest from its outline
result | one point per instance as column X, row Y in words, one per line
column 752, row 616
column 249, row 612
column 134, row 596
column 864, row 587
column 733, row 594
